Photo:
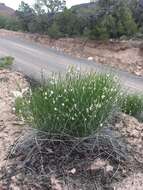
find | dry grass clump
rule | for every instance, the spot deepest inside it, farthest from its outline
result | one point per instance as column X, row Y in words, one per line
column 72, row 163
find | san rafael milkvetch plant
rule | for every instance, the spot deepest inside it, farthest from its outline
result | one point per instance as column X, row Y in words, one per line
column 76, row 105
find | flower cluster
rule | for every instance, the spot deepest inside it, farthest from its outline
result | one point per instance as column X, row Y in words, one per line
column 76, row 105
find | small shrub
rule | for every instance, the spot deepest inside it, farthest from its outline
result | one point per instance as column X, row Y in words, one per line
column 76, row 106
column 54, row 31
column 133, row 104
column 10, row 23
column 6, row 62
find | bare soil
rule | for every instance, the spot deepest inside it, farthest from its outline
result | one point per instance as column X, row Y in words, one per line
column 10, row 126
column 120, row 167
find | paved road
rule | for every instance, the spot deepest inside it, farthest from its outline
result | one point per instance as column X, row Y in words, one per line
column 36, row 60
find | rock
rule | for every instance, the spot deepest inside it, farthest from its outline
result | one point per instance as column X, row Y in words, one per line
column 90, row 58
column 73, row 171
column 141, row 134
column 109, row 168
column 98, row 165
column 4, row 79
column 138, row 73
column 135, row 133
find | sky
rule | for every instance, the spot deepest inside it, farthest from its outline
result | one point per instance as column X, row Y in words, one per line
column 15, row 3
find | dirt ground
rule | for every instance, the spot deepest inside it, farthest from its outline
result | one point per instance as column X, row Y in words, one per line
column 128, row 128
column 125, row 55
column 10, row 126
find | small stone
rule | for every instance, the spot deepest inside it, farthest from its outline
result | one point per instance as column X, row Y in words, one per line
column 73, row 171
column 98, row 164
column 138, row 73
column 109, row 168
column 90, row 58
column 135, row 133
column 139, row 127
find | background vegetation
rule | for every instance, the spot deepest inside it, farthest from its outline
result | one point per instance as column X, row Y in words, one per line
column 100, row 20
column 6, row 62
column 133, row 105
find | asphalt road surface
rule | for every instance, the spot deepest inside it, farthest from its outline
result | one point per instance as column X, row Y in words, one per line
column 38, row 61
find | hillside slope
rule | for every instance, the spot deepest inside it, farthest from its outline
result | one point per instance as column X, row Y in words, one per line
column 6, row 11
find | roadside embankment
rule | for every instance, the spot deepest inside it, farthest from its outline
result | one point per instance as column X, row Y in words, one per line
column 124, row 55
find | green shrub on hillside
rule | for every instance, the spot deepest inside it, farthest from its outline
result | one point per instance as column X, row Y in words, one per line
column 6, row 62
column 100, row 20
column 54, row 31
column 76, row 106
column 133, row 105
column 10, row 23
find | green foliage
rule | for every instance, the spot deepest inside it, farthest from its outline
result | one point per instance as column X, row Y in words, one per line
column 69, row 24
column 2, row 21
column 26, row 15
column 125, row 22
column 101, row 20
column 10, row 23
column 54, row 31
column 116, row 21
column 138, row 12
column 76, row 106
column 133, row 105
column 99, row 32
column 6, row 62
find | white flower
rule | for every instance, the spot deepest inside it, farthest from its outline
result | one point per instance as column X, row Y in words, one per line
column 17, row 94
column 101, row 124
column 45, row 98
column 65, row 90
column 55, row 109
column 116, row 78
column 91, row 107
column 51, row 92
column 103, row 96
column 75, row 105
column 98, row 106
column 87, row 110
column 78, row 69
column 25, row 90
column 63, row 104
column 45, row 93
column 13, row 109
